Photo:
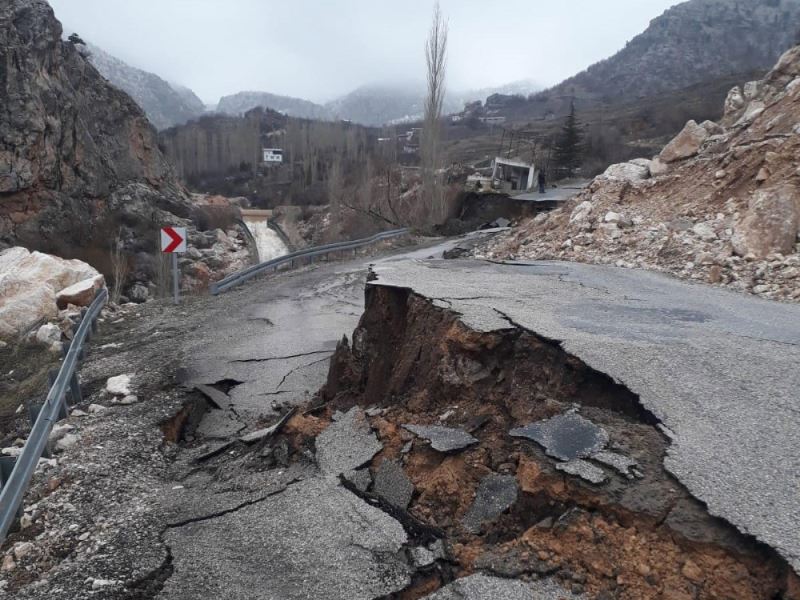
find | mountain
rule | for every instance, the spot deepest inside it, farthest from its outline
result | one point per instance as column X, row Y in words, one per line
column 165, row 104
column 693, row 42
column 79, row 161
column 378, row 105
column 523, row 87
column 240, row 103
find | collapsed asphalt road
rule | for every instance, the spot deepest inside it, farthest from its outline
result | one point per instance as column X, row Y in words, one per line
column 717, row 369
column 434, row 462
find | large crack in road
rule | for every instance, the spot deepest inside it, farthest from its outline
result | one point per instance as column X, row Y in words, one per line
column 479, row 355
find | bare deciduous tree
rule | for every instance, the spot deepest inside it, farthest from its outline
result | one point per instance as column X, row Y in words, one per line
column 119, row 267
column 436, row 61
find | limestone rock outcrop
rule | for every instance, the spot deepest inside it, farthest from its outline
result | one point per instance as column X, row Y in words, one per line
column 30, row 282
column 79, row 161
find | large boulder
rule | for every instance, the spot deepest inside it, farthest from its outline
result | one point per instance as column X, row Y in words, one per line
column 635, row 170
column 81, row 293
column 29, row 282
column 770, row 225
column 734, row 102
column 686, row 144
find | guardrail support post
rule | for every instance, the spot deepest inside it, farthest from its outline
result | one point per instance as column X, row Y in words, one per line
column 74, row 390
column 33, row 414
column 6, row 466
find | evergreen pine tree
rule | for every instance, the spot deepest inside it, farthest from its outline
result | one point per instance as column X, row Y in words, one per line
column 569, row 146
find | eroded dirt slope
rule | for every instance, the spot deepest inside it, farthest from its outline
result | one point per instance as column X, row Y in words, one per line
column 503, row 504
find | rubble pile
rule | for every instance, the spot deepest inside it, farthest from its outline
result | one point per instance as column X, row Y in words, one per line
column 720, row 204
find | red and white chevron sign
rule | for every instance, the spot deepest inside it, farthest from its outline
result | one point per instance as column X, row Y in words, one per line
column 173, row 239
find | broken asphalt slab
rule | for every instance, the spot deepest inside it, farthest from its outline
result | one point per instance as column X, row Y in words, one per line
column 284, row 548
column 495, row 495
column 719, row 369
column 565, row 437
column 484, row 587
column 346, row 444
column 443, row 439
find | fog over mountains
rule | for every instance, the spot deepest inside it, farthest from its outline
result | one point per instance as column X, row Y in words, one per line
column 699, row 40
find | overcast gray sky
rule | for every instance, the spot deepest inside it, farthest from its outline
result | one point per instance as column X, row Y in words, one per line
column 319, row 49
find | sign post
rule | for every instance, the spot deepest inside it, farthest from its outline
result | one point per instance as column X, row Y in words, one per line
column 173, row 241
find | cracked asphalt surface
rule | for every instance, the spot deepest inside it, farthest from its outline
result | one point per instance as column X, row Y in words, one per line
column 718, row 369
column 147, row 520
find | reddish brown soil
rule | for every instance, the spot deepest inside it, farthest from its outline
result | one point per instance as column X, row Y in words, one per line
column 628, row 539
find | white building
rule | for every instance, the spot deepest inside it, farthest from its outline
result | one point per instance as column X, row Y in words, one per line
column 273, row 155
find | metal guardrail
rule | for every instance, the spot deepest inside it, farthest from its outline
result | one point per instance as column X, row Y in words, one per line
column 246, row 274
column 52, row 410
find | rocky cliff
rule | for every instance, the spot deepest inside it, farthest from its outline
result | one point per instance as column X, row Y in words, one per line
column 720, row 203
column 242, row 102
column 79, row 161
column 165, row 104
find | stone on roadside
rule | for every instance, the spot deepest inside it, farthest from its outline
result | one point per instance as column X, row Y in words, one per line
column 59, row 431
column 119, row 385
column 8, row 564
column 686, row 144
column 770, row 225
column 638, row 170
column 581, row 212
column 97, row 408
column 705, row 232
column 81, row 293
column 49, row 334
column 28, row 285
column 23, row 549
column 658, row 167
column 66, row 442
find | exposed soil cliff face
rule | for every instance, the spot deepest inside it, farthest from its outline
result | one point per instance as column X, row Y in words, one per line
column 640, row 535
column 720, row 204
column 78, row 158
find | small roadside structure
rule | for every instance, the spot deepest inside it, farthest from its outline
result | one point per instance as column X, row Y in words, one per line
column 510, row 175
column 272, row 155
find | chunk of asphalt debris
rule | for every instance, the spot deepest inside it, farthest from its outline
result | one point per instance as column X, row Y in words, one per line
column 566, row 437
column 217, row 398
column 443, row 439
column 261, row 434
column 347, row 444
column 621, row 463
column 496, row 493
column 359, row 478
column 393, row 485
column 482, row 587
column 584, row 470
